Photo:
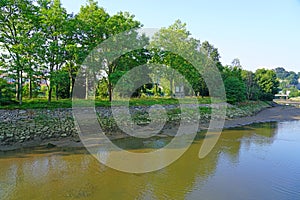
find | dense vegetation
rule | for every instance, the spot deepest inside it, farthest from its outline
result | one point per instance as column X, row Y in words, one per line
column 289, row 82
column 43, row 47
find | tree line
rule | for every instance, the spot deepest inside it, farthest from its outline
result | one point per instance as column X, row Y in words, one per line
column 43, row 48
column 289, row 81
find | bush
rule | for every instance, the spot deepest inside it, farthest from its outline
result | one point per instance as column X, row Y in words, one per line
column 235, row 90
column 294, row 92
column 266, row 96
column 35, row 90
column 7, row 93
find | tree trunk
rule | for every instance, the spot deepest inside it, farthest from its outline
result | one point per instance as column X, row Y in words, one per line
column 30, row 87
column 20, row 88
column 109, row 91
column 50, row 83
column 50, row 92
column 56, row 92
column 86, row 87
column 71, row 87
column 171, row 88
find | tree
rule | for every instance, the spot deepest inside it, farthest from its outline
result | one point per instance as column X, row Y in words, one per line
column 252, row 89
column 18, row 39
column 234, row 84
column 292, row 78
column 294, row 92
column 229, row 71
column 95, row 27
column 175, row 37
column 235, row 90
column 236, row 63
column 281, row 73
column 91, row 27
column 52, row 51
column 62, row 82
column 73, row 56
column 127, row 62
column 209, row 50
column 213, row 53
column 6, row 92
column 268, row 83
column 121, row 23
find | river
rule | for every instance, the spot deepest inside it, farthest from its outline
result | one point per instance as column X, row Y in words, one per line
column 253, row 162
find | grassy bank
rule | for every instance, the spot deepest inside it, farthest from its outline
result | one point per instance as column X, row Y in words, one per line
column 239, row 110
column 67, row 103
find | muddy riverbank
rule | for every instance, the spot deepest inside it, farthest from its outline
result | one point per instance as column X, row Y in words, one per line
column 29, row 128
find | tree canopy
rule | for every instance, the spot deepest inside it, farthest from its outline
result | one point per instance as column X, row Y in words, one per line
column 43, row 47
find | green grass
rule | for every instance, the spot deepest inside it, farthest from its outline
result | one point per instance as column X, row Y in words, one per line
column 67, row 103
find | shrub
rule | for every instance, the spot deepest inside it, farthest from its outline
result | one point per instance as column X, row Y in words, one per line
column 235, row 90
column 7, row 92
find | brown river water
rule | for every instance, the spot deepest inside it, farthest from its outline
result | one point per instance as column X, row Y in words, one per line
column 256, row 162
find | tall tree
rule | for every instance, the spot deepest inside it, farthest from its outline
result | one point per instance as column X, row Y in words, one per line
column 95, row 27
column 6, row 92
column 236, row 63
column 234, row 84
column 292, row 78
column 268, row 83
column 52, row 52
column 120, row 23
column 175, row 37
column 17, row 38
column 252, row 89
column 73, row 56
column 212, row 52
column 235, row 89
column 281, row 73
column 129, row 61
column 209, row 50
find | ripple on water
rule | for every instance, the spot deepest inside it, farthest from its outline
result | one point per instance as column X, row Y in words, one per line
column 286, row 182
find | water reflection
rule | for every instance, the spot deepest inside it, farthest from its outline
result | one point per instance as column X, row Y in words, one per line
column 246, row 163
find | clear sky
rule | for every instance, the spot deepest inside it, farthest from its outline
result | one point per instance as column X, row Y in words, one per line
column 261, row 33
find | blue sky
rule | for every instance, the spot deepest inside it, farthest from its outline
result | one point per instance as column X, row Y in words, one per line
column 261, row 33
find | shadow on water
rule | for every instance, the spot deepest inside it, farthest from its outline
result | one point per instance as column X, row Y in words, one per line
column 42, row 150
column 131, row 143
column 71, row 173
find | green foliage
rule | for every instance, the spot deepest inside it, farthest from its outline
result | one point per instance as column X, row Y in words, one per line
column 43, row 91
column 292, row 78
column 39, row 40
column 235, row 89
column 102, row 89
column 234, row 84
column 61, row 82
column 252, row 89
column 35, row 88
column 288, row 78
column 6, row 92
column 268, row 83
column 281, row 73
column 209, row 50
column 178, row 39
column 246, row 108
column 67, row 103
column 18, row 39
column 132, row 86
column 294, row 92
column 53, row 39
column 288, row 81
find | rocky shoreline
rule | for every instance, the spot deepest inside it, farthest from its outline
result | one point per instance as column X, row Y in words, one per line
column 42, row 127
